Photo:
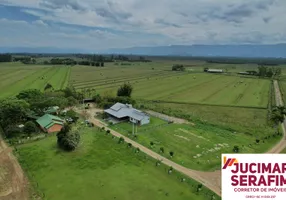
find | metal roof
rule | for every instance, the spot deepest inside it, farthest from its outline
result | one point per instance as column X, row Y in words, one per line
column 120, row 110
column 47, row 121
column 215, row 70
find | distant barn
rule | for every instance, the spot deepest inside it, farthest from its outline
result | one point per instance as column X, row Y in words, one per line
column 215, row 71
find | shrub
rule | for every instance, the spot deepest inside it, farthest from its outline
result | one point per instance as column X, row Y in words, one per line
column 125, row 90
column 178, row 68
column 12, row 131
column 235, row 149
column 121, row 140
column 30, row 127
column 68, row 140
column 137, row 150
column 48, row 86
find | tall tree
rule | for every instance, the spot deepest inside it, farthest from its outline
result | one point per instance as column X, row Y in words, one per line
column 68, row 139
column 13, row 111
column 125, row 90
column 277, row 116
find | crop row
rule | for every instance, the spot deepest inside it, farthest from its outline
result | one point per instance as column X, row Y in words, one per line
column 114, row 82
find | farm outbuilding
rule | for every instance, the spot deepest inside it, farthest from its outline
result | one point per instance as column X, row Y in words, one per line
column 50, row 123
column 123, row 112
column 215, row 71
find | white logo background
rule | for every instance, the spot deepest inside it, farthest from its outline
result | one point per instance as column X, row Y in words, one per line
column 228, row 192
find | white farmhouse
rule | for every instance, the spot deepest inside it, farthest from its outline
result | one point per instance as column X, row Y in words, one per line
column 122, row 112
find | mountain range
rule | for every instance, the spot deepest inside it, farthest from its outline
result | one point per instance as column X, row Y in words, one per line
column 275, row 51
column 271, row 50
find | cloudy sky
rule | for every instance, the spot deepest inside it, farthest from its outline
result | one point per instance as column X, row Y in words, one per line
column 102, row 24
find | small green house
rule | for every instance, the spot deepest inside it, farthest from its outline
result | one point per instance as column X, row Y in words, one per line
column 50, row 123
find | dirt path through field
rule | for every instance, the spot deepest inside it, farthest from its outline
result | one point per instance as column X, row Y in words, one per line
column 13, row 183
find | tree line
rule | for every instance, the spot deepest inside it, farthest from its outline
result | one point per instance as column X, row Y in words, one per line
column 259, row 61
column 178, row 68
column 270, row 72
column 5, row 58
column 29, row 104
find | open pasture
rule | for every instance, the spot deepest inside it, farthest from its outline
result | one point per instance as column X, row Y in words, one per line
column 184, row 87
column 15, row 78
column 101, row 169
column 200, row 146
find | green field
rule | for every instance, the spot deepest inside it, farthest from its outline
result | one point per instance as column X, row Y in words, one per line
column 229, row 117
column 101, row 169
column 151, row 81
column 200, row 146
column 157, row 82
column 16, row 77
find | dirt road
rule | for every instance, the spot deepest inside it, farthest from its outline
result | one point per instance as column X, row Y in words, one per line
column 13, row 183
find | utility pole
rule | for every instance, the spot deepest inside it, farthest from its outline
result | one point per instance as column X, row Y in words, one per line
column 132, row 126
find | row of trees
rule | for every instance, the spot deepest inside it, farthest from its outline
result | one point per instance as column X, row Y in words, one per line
column 25, row 60
column 178, row 68
column 269, row 72
column 69, row 61
column 31, row 103
column 5, row 58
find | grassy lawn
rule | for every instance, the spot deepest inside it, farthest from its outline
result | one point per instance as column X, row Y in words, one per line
column 200, row 146
column 101, row 169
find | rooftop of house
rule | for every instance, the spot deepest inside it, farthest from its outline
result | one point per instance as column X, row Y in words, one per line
column 120, row 110
column 48, row 121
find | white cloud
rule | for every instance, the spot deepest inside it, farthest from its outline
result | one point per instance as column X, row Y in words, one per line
column 38, row 34
column 181, row 22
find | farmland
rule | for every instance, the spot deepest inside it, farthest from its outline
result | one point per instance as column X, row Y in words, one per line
column 101, row 168
column 153, row 83
column 199, row 146
column 16, row 77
